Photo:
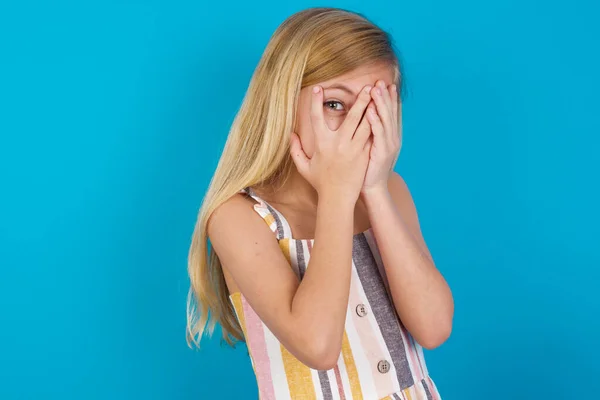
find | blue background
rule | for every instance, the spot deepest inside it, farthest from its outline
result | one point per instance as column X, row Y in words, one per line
column 113, row 115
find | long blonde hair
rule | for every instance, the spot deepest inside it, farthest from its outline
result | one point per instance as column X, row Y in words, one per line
column 309, row 47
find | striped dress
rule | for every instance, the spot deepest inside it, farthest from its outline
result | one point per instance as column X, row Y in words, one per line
column 379, row 358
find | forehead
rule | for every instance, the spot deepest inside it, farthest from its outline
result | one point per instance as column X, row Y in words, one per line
column 362, row 76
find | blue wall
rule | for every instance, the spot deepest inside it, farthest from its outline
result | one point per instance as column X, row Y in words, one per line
column 112, row 115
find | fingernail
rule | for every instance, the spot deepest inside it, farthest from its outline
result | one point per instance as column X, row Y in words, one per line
column 368, row 89
column 394, row 88
column 378, row 91
column 316, row 89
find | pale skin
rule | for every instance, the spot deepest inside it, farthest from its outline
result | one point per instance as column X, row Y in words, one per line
column 345, row 146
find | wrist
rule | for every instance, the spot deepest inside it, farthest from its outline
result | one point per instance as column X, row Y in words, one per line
column 375, row 194
column 338, row 200
column 335, row 211
column 379, row 203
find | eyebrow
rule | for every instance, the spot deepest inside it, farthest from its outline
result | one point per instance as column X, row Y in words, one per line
column 341, row 86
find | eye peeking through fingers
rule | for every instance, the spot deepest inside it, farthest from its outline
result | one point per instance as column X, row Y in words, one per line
column 334, row 106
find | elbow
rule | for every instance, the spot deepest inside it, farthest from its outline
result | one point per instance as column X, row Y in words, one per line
column 436, row 337
column 321, row 354
column 324, row 361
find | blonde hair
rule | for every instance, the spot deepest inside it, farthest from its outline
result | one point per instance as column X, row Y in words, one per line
column 309, row 47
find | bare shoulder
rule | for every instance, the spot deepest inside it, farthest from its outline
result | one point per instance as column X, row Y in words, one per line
column 247, row 249
column 234, row 219
column 238, row 206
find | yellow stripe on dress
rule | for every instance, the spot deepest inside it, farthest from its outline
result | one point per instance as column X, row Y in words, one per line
column 269, row 219
column 351, row 369
column 236, row 299
column 298, row 376
column 284, row 244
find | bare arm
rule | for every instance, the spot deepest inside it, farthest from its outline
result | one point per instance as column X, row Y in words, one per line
column 421, row 295
column 308, row 318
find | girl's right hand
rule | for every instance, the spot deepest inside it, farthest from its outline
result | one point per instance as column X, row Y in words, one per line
column 341, row 157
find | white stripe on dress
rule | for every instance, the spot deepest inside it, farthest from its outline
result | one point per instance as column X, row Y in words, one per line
column 335, row 393
column 280, row 383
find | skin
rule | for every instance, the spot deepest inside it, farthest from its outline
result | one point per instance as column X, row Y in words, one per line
column 345, row 146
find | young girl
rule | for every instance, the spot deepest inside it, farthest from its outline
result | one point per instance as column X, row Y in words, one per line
column 317, row 260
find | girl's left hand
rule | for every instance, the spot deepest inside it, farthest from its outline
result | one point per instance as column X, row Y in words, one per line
column 386, row 125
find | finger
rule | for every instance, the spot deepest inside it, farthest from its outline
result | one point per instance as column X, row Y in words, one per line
column 376, row 124
column 399, row 135
column 368, row 144
column 385, row 91
column 363, row 131
column 356, row 112
column 317, row 119
column 298, row 155
column 394, row 98
column 383, row 108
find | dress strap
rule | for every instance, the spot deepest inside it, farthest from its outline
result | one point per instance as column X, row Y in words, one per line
column 276, row 221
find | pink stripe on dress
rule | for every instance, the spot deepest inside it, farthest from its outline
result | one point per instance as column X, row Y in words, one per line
column 423, row 363
column 338, row 379
column 256, row 342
